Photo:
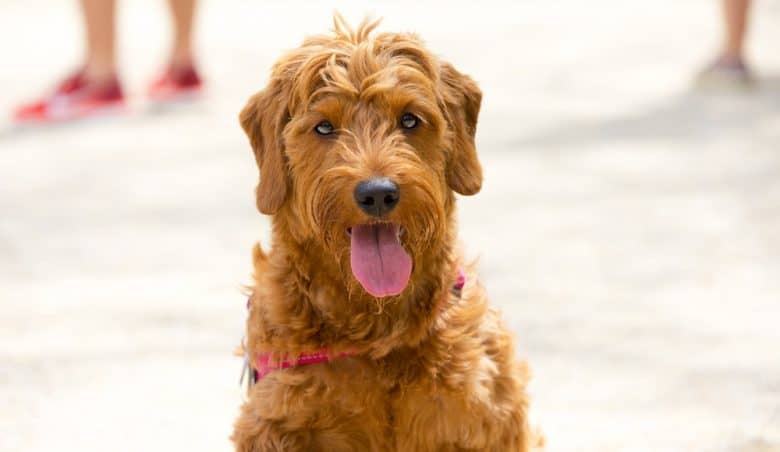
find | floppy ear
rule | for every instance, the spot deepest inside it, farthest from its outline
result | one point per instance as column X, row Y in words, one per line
column 462, row 98
column 263, row 119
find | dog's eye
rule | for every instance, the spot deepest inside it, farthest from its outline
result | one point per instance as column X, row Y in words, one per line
column 324, row 128
column 409, row 121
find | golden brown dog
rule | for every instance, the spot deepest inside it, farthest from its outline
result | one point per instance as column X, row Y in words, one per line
column 361, row 142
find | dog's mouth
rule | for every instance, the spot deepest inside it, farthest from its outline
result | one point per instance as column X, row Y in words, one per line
column 379, row 261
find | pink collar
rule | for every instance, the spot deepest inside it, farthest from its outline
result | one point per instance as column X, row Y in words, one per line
column 264, row 365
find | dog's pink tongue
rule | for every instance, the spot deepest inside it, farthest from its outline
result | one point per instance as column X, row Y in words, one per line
column 379, row 262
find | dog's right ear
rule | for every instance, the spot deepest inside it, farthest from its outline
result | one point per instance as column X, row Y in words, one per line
column 263, row 119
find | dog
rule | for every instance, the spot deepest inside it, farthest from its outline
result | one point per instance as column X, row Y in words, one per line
column 366, row 330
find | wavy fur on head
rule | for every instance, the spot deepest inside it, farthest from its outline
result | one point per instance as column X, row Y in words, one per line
column 434, row 372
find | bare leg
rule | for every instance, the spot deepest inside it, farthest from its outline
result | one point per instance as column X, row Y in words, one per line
column 729, row 69
column 95, row 85
column 735, row 16
column 183, row 12
column 180, row 79
column 99, row 24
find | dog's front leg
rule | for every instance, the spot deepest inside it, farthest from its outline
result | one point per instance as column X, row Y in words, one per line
column 297, row 433
column 315, row 409
column 254, row 434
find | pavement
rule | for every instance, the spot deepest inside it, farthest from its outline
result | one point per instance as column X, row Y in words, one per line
column 629, row 226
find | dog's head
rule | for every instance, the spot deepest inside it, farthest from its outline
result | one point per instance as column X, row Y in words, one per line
column 360, row 141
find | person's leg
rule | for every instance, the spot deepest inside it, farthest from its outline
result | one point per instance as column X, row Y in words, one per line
column 94, row 88
column 99, row 26
column 729, row 68
column 180, row 79
column 735, row 17
column 183, row 12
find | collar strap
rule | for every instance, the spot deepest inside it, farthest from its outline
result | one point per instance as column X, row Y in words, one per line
column 460, row 281
column 264, row 365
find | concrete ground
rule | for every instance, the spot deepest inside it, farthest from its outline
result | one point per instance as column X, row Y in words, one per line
column 629, row 226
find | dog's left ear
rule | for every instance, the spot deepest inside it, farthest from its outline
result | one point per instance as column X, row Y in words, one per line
column 462, row 98
column 263, row 119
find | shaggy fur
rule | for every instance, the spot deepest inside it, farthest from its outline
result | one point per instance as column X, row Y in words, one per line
column 433, row 371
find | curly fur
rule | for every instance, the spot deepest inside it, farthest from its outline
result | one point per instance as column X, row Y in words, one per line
column 434, row 372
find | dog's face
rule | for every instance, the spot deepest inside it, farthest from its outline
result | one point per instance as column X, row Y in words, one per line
column 360, row 142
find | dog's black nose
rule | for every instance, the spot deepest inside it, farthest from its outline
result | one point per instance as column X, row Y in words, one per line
column 377, row 197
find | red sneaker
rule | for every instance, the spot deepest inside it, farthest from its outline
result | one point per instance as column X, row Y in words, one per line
column 74, row 98
column 176, row 84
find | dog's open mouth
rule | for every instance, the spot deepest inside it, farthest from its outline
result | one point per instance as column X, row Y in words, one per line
column 379, row 261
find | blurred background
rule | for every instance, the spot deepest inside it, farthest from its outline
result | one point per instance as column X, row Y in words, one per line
column 629, row 225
